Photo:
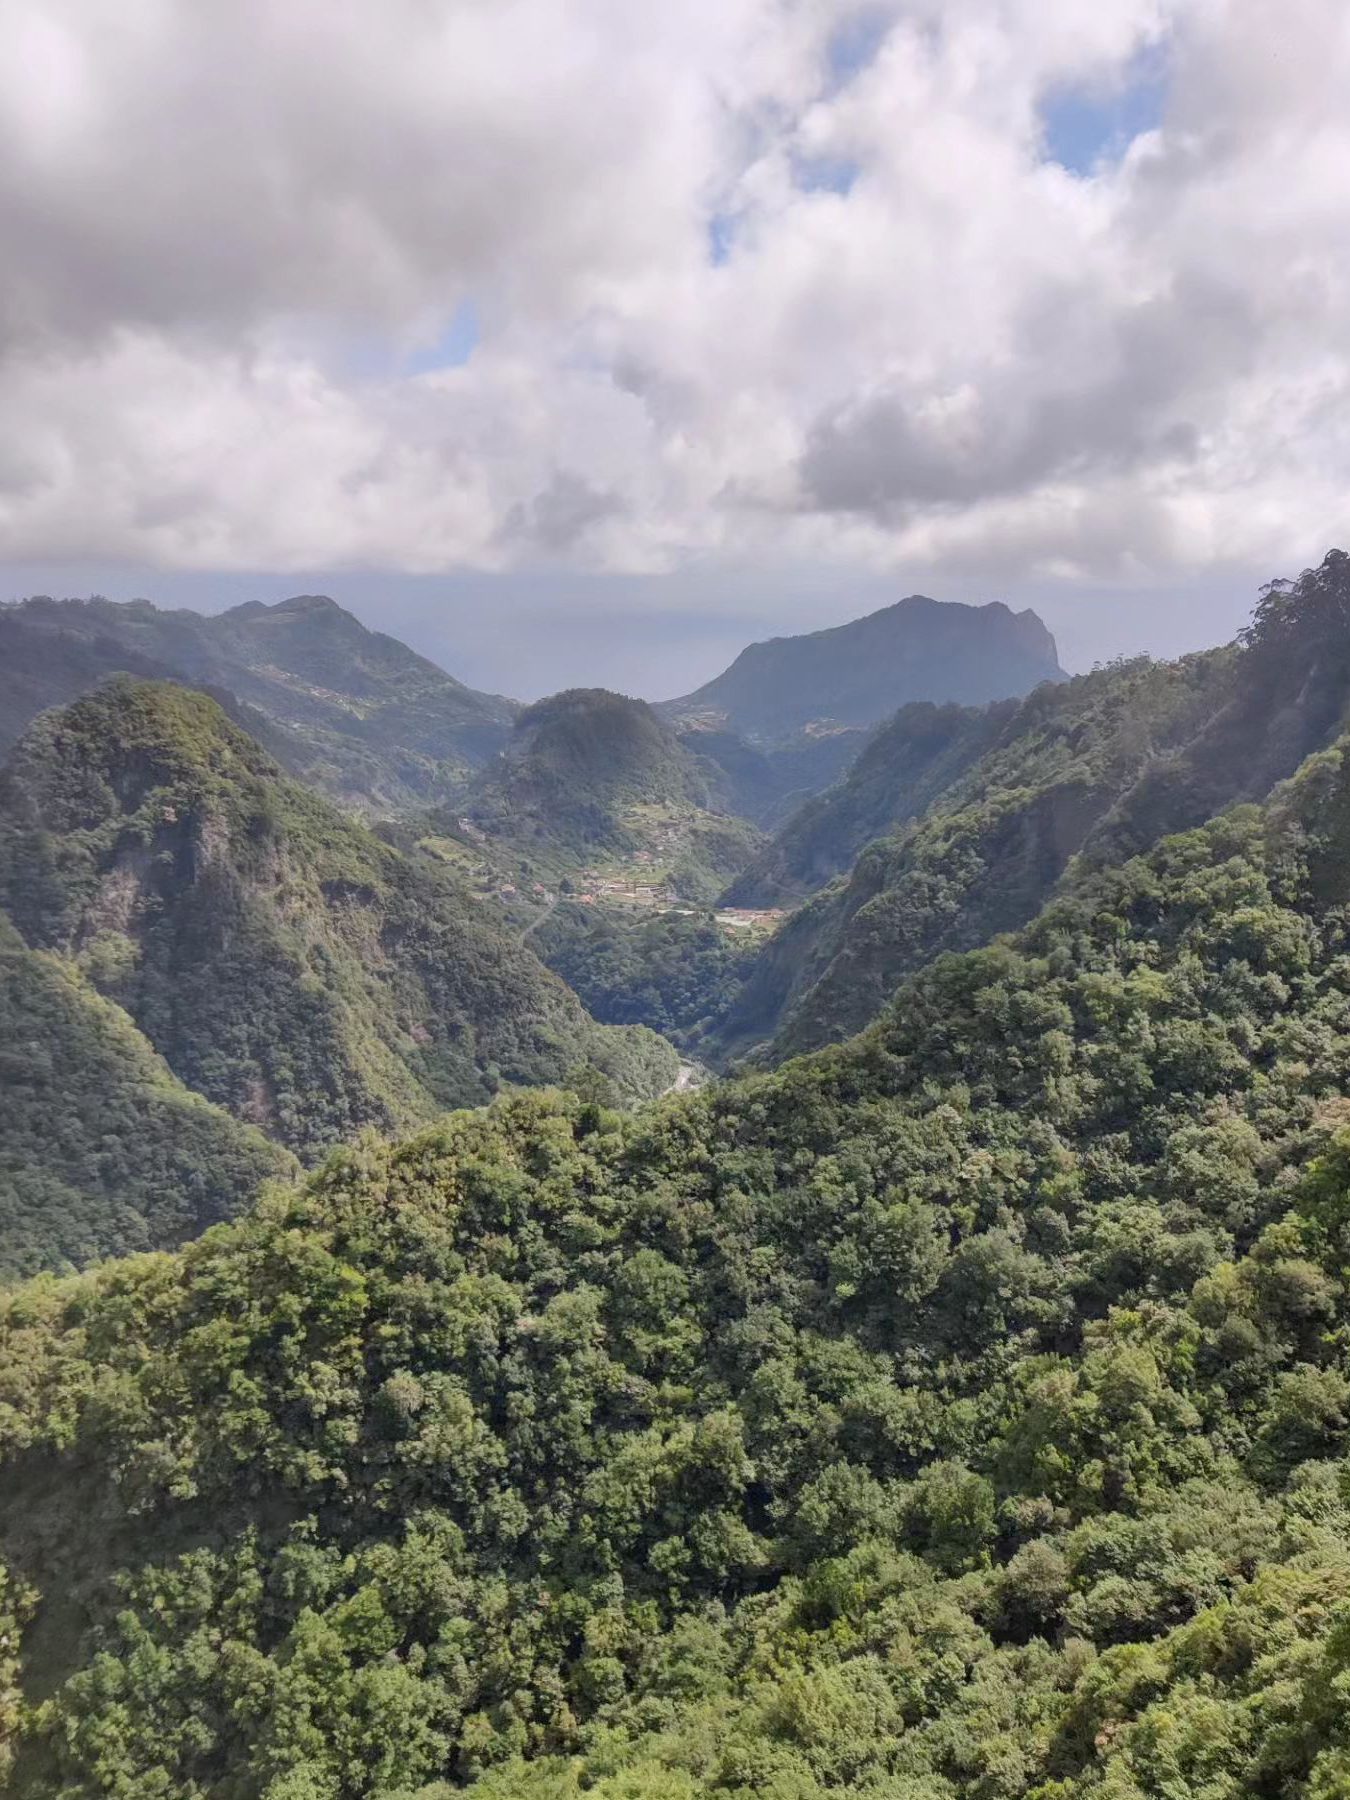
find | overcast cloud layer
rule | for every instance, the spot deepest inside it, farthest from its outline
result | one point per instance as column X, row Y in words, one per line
column 438, row 284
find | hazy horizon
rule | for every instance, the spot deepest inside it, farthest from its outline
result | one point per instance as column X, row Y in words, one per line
column 657, row 637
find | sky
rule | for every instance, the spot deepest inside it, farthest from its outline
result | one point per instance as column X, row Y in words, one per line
column 574, row 340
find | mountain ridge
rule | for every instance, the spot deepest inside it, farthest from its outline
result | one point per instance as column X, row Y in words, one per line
column 363, row 717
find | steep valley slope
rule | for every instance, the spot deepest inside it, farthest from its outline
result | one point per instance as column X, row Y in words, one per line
column 788, row 716
column 1078, row 774
column 103, row 1151
column 286, row 962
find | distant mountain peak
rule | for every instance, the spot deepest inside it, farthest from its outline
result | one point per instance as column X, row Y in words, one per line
column 860, row 672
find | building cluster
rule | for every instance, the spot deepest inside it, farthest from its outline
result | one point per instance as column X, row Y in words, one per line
column 751, row 918
column 635, row 890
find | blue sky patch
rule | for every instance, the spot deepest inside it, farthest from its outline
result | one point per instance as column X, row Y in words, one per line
column 824, row 174
column 721, row 237
column 453, row 348
column 1085, row 127
column 855, row 43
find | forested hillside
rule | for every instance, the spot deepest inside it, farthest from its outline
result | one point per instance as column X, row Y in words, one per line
column 960, row 1414
column 784, row 1240
column 355, row 712
column 766, row 783
column 1098, row 768
column 677, row 971
column 590, row 775
column 788, row 717
column 286, row 962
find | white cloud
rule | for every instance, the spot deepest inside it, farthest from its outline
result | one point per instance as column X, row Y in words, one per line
column 949, row 350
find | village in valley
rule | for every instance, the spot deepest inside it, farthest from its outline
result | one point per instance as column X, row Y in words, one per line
column 645, row 887
column 640, row 880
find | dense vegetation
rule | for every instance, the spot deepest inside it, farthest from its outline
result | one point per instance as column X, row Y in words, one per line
column 102, row 1151
column 959, row 1413
column 674, row 971
column 1096, row 769
column 858, row 674
column 286, row 962
column 354, row 712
